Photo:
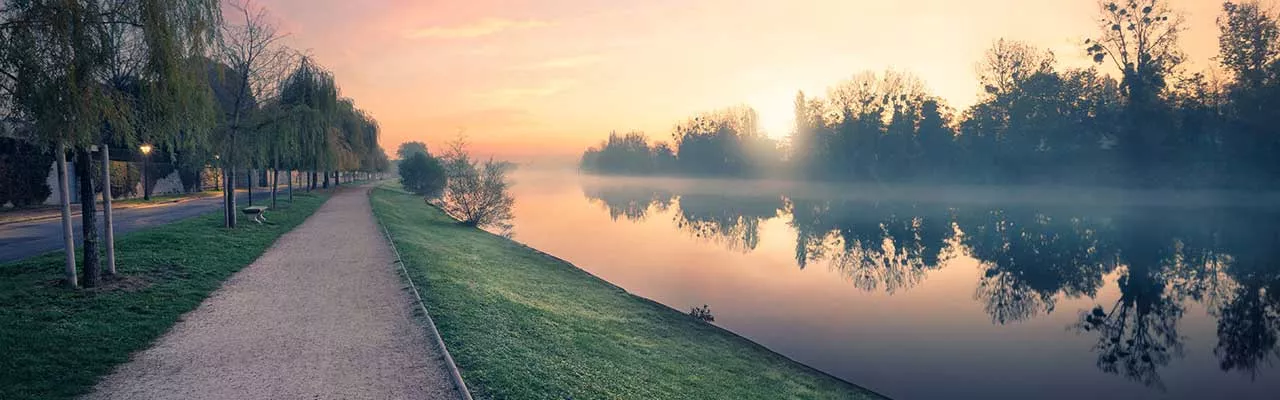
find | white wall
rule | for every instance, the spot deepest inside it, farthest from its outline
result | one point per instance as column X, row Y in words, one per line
column 169, row 184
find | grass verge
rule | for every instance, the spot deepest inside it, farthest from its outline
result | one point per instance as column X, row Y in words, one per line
column 57, row 342
column 525, row 325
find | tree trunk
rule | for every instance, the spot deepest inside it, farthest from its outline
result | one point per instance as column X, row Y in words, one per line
column 326, row 180
column 230, row 181
column 291, row 186
column 250, row 177
column 64, row 197
column 91, row 270
column 108, row 227
column 337, row 178
column 226, row 203
column 275, row 181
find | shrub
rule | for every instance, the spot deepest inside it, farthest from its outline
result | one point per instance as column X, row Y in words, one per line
column 702, row 314
column 477, row 194
column 124, row 178
column 24, row 169
column 422, row 174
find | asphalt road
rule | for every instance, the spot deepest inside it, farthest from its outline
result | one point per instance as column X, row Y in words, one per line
column 25, row 239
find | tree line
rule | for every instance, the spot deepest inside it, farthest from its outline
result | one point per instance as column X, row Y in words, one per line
column 1148, row 123
column 205, row 83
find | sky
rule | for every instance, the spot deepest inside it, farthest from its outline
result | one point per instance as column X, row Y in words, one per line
column 543, row 80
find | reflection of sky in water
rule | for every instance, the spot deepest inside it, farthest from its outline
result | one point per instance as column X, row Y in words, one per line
column 1047, row 297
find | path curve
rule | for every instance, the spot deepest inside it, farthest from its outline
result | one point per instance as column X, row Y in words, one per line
column 321, row 315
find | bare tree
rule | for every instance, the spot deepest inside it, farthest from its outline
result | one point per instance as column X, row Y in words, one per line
column 257, row 62
column 477, row 194
column 1009, row 63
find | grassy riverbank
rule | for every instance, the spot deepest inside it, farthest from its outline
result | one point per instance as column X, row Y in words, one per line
column 524, row 325
column 57, row 342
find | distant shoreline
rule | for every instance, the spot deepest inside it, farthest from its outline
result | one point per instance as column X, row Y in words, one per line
column 949, row 193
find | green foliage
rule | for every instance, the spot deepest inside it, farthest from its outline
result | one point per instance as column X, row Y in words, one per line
column 629, row 154
column 58, row 343
column 422, row 175
column 124, row 178
column 24, row 169
column 68, row 81
column 408, row 149
column 551, row 330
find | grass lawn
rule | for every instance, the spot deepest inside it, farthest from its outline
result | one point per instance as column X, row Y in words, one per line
column 524, row 325
column 57, row 342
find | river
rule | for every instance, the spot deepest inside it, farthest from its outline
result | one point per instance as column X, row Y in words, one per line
column 946, row 292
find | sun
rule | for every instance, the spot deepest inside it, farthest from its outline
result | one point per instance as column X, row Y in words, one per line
column 777, row 116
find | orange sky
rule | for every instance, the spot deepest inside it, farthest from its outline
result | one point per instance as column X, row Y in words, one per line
column 547, row 78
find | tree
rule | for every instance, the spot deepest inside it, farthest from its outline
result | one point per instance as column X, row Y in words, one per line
column 937, row 140
column 252, row 64
column 719, row 143
column 408, row 149
column 1140, row 37
column 1250, row 47
column 477, row 194
column 1249, row 41
column 1008, row 64
column 54, row 56
column 423, row 175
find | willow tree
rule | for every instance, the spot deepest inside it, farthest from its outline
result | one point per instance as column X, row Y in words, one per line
column 54, row 56
column 310, row 97
column 154, row 77
column 251, row 61
column 357, row 147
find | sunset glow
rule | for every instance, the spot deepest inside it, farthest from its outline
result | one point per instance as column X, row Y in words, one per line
column 546, row 79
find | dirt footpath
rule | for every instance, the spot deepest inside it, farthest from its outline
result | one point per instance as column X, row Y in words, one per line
column 322, row 315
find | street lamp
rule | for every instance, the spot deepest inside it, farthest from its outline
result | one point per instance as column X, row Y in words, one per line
column 146, row 165
column 218, row 158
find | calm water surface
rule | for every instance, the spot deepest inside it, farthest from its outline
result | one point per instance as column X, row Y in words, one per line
column 946, row 293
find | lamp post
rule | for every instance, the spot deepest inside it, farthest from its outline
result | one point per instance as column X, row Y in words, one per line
column 146, row 165
column 217, row 159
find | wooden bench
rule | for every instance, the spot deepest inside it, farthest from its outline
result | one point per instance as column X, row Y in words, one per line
column 259, row 213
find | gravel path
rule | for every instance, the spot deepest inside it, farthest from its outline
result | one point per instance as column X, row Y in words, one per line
column 321, row 315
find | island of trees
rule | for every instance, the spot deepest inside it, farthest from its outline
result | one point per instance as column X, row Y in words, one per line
column 1152, row 124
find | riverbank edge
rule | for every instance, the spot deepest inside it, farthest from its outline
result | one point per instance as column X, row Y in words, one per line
column 394, row 190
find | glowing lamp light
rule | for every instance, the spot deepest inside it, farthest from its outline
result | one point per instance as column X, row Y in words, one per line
column 146, row 149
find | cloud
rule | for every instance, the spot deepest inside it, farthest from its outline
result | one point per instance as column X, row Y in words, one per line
column 564, row 62
column 516, row 94
column 483, row 27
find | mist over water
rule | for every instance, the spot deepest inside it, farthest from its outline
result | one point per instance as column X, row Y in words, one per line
column 923, row 291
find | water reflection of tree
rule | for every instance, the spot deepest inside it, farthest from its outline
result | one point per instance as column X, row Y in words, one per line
column 1162, row 261
column 631, row 202
column 1029, row 258
column 732, row 221
column 874, row 246
column 1249, row 313
column 1165, row 265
